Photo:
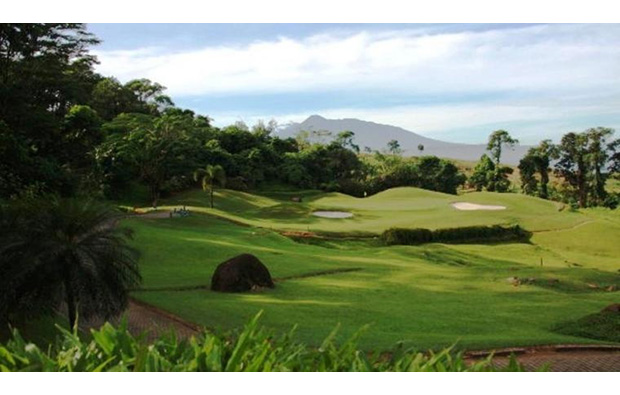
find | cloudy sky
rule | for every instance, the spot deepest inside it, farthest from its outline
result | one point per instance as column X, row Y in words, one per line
column 451, row 82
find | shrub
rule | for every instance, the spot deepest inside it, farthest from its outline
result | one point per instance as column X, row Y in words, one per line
column 237, row 183
column 612, row 201
column 407, row 236
column 469, row 234
column 253, row 349
column 495, row 233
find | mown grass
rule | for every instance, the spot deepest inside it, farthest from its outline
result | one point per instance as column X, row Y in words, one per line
column 602, row 326
column 398, row 207
column 428, row 296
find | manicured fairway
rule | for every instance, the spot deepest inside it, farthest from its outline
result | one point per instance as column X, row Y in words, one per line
column 432, row 295
column 399, row 207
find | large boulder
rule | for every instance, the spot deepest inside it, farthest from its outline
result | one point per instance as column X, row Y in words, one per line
column 241, row 273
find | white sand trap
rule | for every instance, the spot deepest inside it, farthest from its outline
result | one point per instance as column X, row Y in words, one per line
column 473, row 206
column 332, row 214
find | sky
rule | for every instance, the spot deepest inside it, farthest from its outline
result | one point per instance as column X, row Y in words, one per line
column 453, row 82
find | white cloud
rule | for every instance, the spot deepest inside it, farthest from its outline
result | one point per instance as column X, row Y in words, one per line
column 538, row 57
column 559, row 72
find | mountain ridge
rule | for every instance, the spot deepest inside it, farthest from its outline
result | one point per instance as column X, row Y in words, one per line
column 376, row 136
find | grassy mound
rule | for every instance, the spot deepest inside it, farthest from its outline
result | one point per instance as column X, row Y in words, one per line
column 600, row 326
column 399, row 207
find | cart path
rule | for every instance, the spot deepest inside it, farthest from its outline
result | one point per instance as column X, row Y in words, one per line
column 560, row 358
column 153, row 322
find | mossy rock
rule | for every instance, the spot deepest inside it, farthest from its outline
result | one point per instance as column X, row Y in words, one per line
column 242, row 273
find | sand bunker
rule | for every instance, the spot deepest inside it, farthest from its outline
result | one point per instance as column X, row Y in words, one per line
column 473, row 206
column 332, row 214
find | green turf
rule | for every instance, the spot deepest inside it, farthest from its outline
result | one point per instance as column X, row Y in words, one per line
column 399, row 207
column 603, row 325
column 431, row 295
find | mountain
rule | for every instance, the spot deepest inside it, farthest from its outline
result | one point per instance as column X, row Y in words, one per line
column 376, row 136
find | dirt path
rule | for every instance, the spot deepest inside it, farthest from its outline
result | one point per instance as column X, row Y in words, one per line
column 150, row 320
column 570, row 358
column 155, row 214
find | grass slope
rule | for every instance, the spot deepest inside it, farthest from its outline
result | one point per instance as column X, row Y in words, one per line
column 430, row 296
column 398, row 207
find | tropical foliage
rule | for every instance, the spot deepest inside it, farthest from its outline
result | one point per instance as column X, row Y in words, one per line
column 64, row 255
column 489, row 173
column 254, row 349
column 209, row 177
column 583, row 162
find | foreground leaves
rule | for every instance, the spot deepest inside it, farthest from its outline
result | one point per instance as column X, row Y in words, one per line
column 253, row 349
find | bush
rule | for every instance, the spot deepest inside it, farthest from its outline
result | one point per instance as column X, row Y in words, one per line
column 407, row 236
column 612, row 201
column 469, row 234
column 253, row 349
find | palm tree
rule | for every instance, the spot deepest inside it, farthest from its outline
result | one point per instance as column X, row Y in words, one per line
column 64, row 251
column 209, row 176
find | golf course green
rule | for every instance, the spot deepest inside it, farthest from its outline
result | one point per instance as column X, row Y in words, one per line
column 430, row 296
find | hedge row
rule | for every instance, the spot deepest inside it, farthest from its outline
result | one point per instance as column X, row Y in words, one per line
column 469, row 234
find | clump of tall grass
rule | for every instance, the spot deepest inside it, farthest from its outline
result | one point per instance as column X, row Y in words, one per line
column 252, row 349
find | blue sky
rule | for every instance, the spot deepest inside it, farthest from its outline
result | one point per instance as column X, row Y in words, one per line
column 453, row 82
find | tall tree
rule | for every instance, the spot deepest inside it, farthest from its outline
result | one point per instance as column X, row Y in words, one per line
column 158, row 148
column 498, row 140
column 598, row 157
column 56, row 251
column 614, row 157
column 483, row 173
column 537, row 160
column 209, row 177
column 527, row 171
column 345, row 139
column 573, row 164
column 394, row 147
column 110, row 99
column 45, row 69
column 544, row 154
column 149, row 96
column 438, row 174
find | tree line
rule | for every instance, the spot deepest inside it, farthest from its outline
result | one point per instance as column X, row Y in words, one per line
column 582, row 164
column 583, row 161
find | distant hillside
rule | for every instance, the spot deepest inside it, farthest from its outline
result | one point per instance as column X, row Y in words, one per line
column 376, row 136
